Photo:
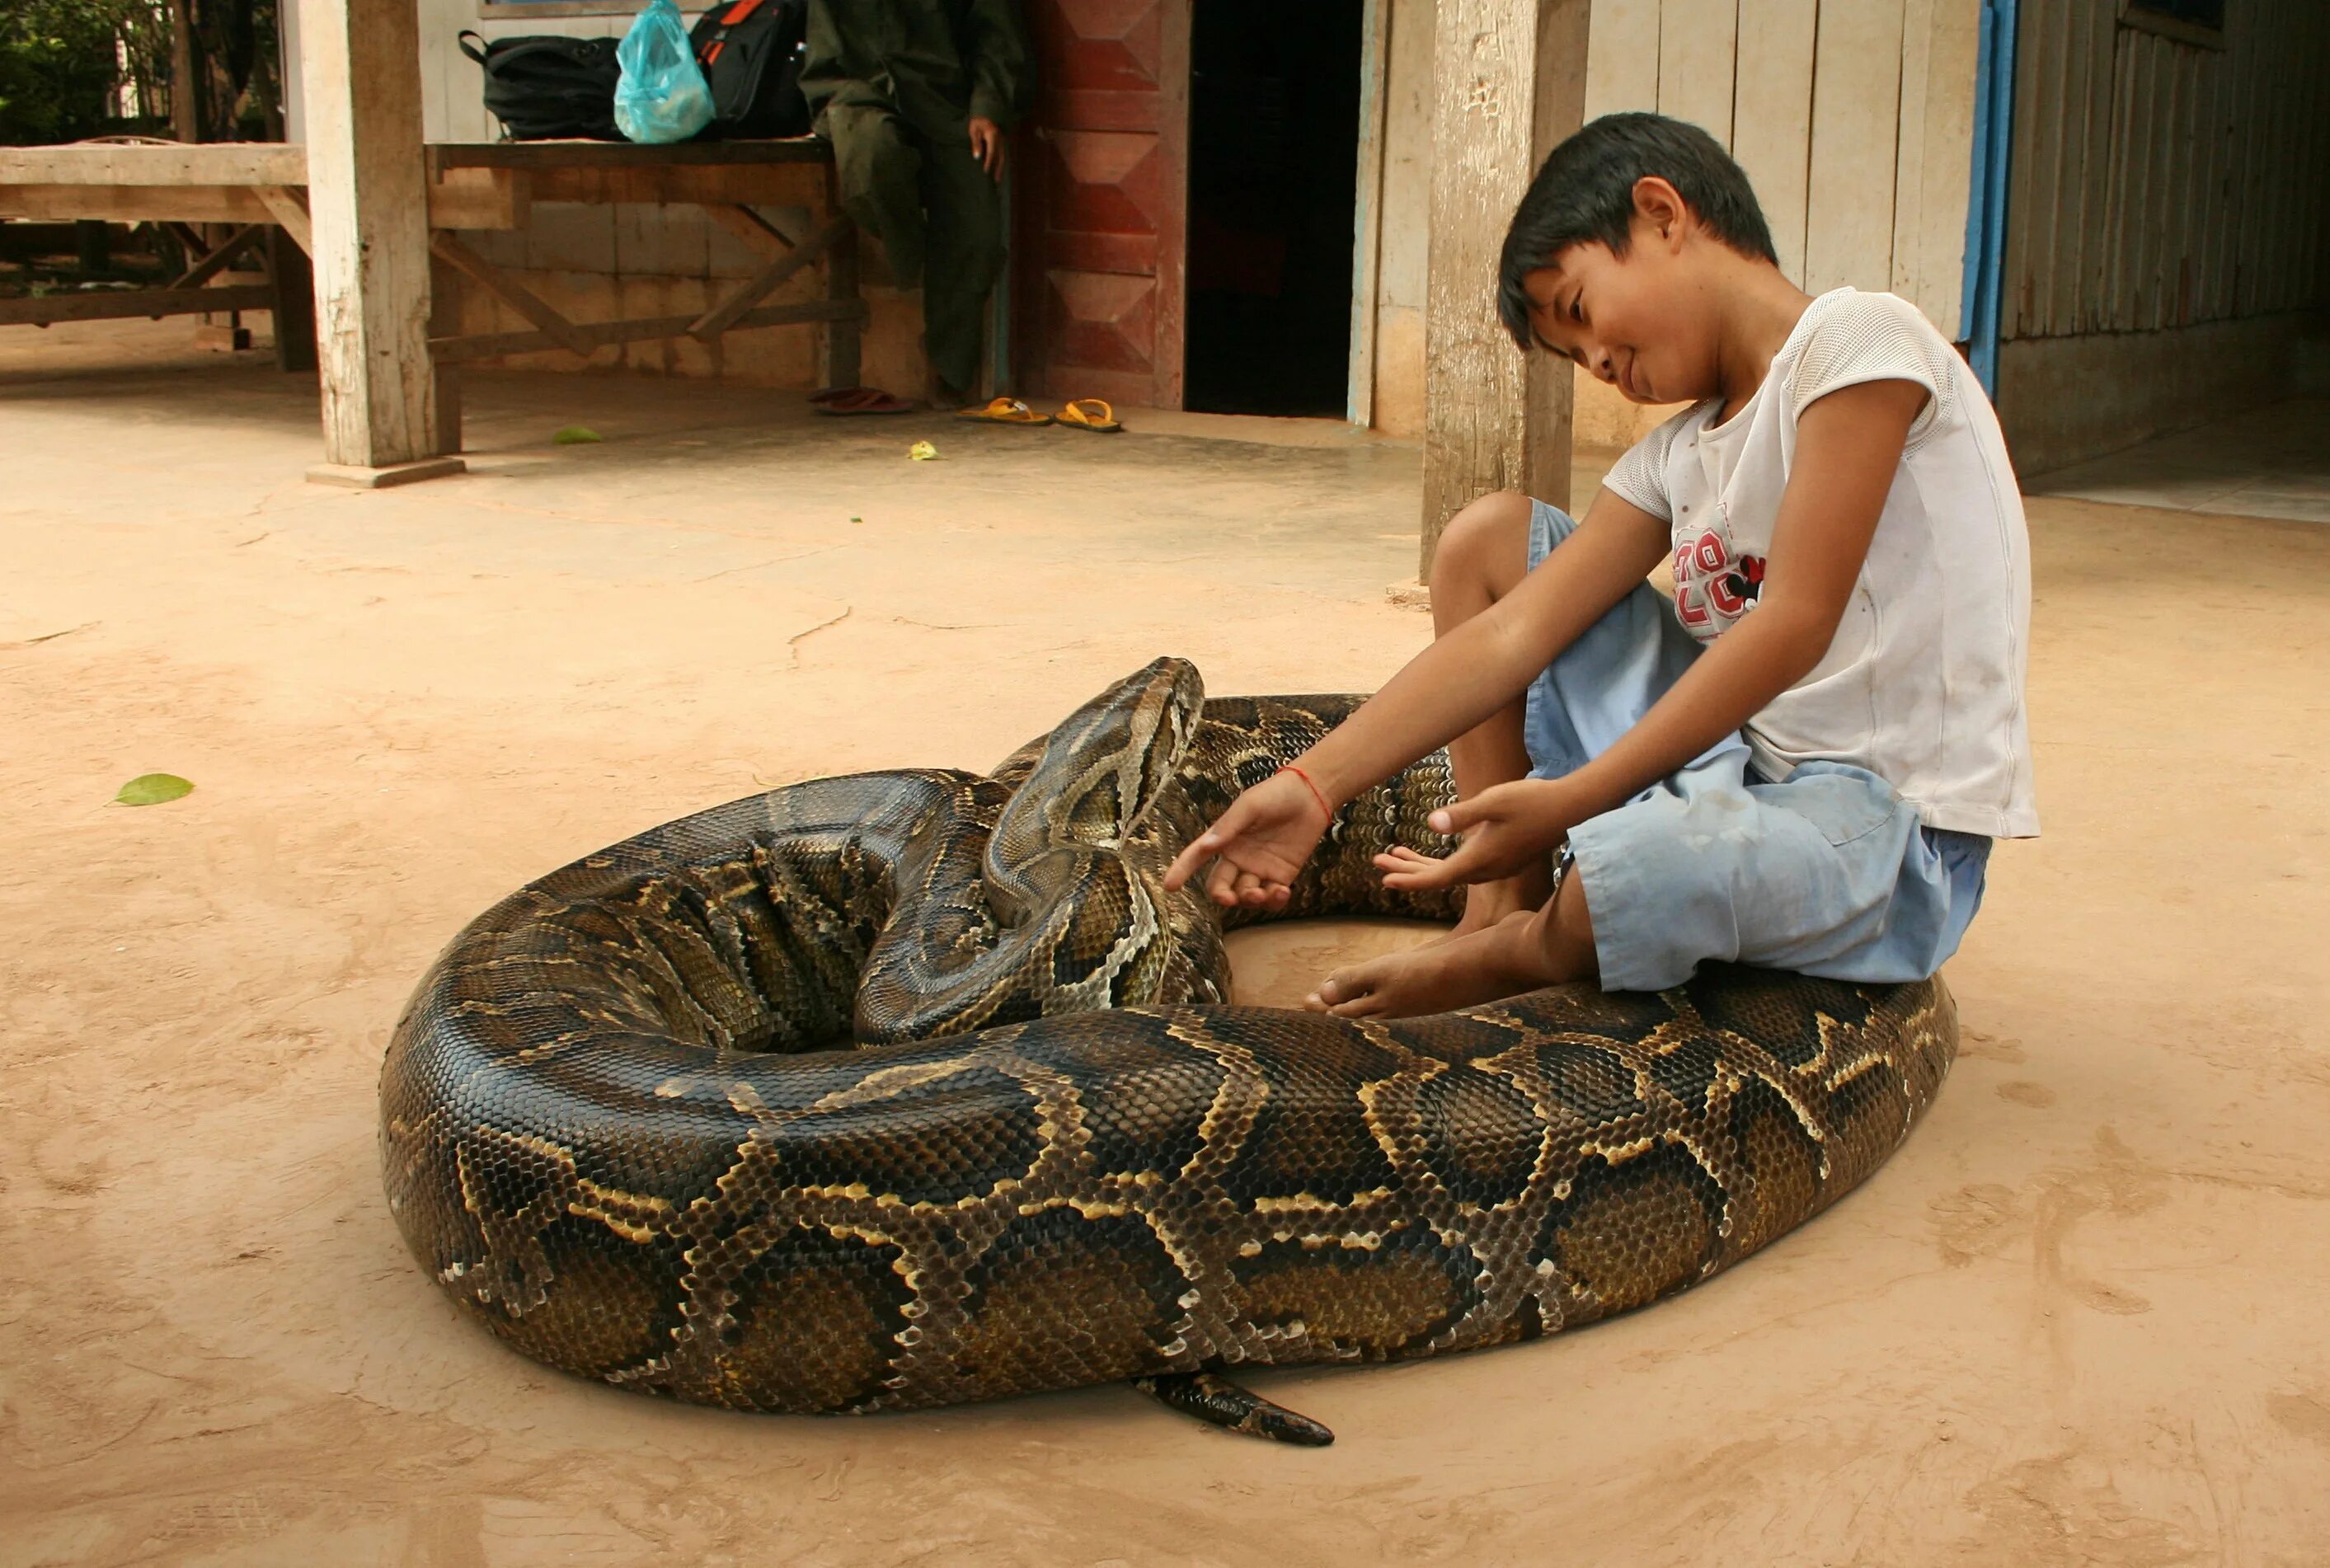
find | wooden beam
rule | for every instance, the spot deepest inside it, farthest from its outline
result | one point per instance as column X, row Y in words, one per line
column 546, row 320
column 167, row 163
column 135, row 204
column 724, row 314
column 128, row 304
column 751, row 228
column 598, row 334
column 806, row 152
column 290, row 212
column 1508, row 82
column 215, row 261
column 467, row 198
column 781, row 185
column 369, row 193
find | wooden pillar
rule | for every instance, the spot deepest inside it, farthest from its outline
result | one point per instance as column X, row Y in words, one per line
column 1508, row 81
column 294, row 302
column 367, row 202
column 843, row 338
column 186, row 67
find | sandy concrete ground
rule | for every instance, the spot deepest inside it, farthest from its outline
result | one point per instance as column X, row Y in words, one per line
column 2076, row 1320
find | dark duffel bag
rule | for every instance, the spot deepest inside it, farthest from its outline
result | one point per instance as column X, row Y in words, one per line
column 751, row 53
column 545, row 87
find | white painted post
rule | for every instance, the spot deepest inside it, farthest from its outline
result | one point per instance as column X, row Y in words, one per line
column 368, row 203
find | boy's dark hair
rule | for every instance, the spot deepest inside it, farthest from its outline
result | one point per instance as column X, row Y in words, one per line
column 1585, row 191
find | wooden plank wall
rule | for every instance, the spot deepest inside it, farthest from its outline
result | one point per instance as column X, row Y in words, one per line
column 1852, row 118
column 2157, row 184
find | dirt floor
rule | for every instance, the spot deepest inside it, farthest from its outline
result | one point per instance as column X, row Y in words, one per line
column 2078, row 1319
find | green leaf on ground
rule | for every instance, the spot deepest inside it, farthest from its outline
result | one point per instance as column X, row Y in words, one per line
column 576, row 436
column 153, row 788
column 922, row 452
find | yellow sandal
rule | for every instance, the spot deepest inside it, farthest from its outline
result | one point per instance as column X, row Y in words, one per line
column 1090, row 414
column 1005, row 411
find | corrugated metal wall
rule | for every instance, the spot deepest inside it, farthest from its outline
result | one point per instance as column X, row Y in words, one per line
column 1854, row 118
column 2157, row 183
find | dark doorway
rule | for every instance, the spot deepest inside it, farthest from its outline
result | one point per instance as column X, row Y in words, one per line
column 1273, row 160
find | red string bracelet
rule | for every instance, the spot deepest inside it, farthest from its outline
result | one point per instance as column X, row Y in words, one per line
column 1315, row 793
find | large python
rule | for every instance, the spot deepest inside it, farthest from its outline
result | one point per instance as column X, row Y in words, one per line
column 914, row 1088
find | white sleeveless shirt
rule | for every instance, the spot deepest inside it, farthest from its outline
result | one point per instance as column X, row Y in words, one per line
column 1923, row 683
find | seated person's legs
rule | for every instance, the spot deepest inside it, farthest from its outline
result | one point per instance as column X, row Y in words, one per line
column 966, row 250
column 879, row 172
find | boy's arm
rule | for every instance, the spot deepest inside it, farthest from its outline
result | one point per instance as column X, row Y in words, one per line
column 1848, row 449
column 1484, row 664
column 1461, row 679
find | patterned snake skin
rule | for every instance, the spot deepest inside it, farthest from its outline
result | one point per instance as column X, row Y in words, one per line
column 914, row 1088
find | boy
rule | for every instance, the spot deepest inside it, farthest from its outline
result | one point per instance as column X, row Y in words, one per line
column 1799, row 756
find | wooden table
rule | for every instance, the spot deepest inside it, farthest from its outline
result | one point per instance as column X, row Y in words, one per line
column 261, row 188
column 258, row 189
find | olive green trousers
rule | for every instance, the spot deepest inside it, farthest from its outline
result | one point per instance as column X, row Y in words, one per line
column 939, row 217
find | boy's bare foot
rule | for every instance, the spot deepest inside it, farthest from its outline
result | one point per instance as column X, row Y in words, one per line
column 1459, row 970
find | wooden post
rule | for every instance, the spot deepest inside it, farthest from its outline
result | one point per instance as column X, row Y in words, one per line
column 186, row 67
column 367, row 204
column 1366, row 222
column 1508, row 81
column 294, row 302
column 445, row 321
column 842, row 337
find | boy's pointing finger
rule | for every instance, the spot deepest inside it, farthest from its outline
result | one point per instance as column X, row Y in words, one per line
column 1186, row 864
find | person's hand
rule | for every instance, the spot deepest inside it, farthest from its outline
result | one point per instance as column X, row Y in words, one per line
column 1504, row 827
column 1258, row 846
column 987, row 145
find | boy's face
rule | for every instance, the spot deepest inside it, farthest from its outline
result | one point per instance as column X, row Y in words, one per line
column 1640, row 322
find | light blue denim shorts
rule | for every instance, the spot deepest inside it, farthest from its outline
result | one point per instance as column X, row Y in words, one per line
column 1827, row 871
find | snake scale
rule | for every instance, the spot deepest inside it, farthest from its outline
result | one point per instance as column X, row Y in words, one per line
column 914, row 1088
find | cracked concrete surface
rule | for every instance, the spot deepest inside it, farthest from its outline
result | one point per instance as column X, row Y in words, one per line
column 2075, row 1321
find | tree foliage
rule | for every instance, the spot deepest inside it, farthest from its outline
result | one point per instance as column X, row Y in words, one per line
column 71, row 69
column 60, row 66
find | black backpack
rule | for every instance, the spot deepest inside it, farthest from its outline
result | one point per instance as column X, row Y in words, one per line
column 751, row 54
column 544, row 86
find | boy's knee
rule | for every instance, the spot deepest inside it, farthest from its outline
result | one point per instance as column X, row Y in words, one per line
column 1489, row 534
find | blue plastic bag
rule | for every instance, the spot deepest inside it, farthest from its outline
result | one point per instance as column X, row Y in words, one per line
column 662, row 96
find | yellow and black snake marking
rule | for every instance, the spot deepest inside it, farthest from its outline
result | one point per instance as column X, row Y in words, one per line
column 916, row 1088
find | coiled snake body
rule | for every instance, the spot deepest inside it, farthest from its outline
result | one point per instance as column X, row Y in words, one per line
column 914, row 1088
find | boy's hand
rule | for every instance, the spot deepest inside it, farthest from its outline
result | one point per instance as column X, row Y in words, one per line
column 1505, row 828
column 1258, row 846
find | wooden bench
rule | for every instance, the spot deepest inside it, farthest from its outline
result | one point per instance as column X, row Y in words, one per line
column 260, row 189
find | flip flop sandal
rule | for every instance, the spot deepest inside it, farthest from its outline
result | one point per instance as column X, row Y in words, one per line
column 1090, row 414
column 826, row 394
column 1005, row 411
column 863, row 400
